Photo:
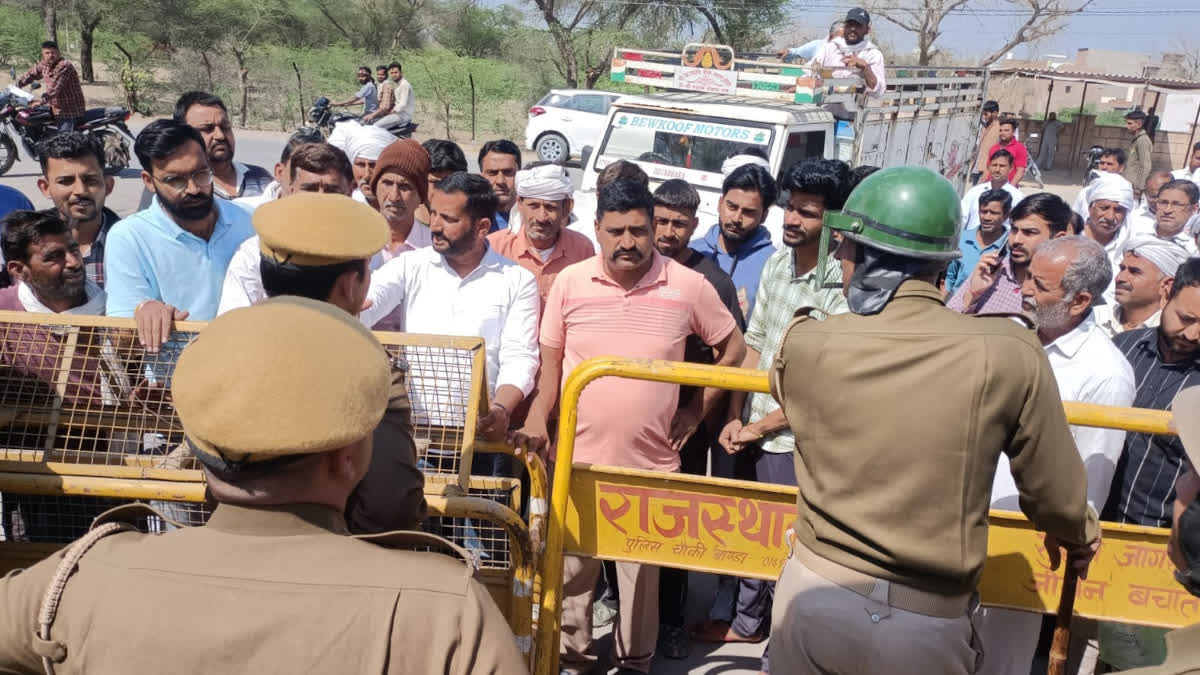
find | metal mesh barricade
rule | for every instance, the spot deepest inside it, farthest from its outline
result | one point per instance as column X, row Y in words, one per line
column 79, row 395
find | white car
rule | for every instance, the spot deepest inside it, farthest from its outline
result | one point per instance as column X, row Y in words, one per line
column 565, row 121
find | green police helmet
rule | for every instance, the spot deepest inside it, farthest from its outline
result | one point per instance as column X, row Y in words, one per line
column 906, row 210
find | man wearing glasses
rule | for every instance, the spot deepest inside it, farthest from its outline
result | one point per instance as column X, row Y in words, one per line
column 167, row 262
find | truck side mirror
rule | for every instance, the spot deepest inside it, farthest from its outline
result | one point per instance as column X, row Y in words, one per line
column 584, row 156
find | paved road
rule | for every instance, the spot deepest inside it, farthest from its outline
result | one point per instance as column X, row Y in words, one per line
column 253, row 147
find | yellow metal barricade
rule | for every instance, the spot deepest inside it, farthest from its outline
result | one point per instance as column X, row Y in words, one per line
column 738, row 527
column 86, row 423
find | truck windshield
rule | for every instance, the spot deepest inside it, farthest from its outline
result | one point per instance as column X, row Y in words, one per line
column 694, row 143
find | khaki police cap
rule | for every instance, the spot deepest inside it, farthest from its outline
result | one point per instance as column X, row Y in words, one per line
column 313, row 229
column 289, row 376
column 1186, row 412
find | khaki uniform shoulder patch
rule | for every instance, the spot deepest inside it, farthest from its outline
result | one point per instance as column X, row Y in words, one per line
column 413, row 540
column 131, row 514
column 1012, row 316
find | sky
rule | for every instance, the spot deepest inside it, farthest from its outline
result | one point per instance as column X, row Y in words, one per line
column 1148, row 26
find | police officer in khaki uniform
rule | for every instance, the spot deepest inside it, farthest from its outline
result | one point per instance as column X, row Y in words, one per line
column 1183, row 645
column 319, row 246
column 278, row 402
column 901, row 409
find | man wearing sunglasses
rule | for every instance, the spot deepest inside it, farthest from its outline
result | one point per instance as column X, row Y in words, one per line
column 167, row 262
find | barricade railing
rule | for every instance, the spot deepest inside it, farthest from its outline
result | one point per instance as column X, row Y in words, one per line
column 738, row 527
column 86, row 423
column 81, row 390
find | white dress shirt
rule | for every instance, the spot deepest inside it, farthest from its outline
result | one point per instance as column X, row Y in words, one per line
column 1089, row 369
column 497, row 301
column 970, row 202
column 270, row 194
column 243, row 284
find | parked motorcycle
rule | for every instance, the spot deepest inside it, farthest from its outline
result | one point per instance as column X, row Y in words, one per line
column 324, row 118
column 1092, row 157
column 27, row 126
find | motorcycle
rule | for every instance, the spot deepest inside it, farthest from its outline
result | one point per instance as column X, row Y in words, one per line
column 324, row 119
column 29, row 125
column 1092, row 157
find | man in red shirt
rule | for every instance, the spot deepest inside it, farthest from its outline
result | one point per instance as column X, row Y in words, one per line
column 1020, row 153
column 63, row 92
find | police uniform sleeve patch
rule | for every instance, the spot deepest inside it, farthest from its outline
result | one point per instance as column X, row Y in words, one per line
column 132, row 514
column 1012, row 316
column 413, row 540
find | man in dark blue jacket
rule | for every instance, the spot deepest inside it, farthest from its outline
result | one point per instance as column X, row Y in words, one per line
column 739, row 243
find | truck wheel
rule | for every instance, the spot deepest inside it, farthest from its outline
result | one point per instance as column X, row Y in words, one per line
column 553, row 148
column 8, row 154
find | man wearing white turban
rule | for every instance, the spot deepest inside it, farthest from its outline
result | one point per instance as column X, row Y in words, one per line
column 363, row 147
column 1147, row 270
column 543, row 245
column 1110, row 199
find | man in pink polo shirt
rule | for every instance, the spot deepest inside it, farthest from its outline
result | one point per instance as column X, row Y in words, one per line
column 628, row 301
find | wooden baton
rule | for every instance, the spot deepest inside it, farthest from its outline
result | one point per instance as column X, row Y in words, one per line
column 1060, row 646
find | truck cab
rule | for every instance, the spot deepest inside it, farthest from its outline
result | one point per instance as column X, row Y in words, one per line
column 711, row 103
column 689, row 135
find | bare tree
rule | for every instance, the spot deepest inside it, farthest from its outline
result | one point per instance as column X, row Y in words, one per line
column 1041, row 19
column 572, row 25
column 1188, row 64
column 1045, row 18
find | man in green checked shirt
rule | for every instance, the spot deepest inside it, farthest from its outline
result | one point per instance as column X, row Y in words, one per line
column 790, row 280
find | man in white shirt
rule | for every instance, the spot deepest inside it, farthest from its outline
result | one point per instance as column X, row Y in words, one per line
column 1141, row 218
column 1065, row 276
column 404, row 103
column 1143, row 284
column 1110, row 199
column 1193, row 168
column 999, row 167
column 460, row 286
column 1175, row 211
column 853, row 55
column 313, row 167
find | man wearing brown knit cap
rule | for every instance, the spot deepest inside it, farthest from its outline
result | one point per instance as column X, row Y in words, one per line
column 278, row 402
column 401, row 184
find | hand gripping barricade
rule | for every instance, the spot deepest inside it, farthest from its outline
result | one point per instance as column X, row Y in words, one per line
column 740, row 528
column 87, row 424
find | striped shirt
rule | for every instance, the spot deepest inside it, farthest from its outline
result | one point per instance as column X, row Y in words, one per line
column 1144, row 487
column 780, row 293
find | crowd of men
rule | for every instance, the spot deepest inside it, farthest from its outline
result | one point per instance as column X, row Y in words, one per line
column 403, row 237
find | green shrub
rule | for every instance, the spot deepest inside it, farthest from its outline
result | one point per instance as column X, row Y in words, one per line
column 20, row 36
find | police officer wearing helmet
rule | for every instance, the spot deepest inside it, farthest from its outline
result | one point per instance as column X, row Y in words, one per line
column 279, row 403
column 901, row 409
column 1183, row 645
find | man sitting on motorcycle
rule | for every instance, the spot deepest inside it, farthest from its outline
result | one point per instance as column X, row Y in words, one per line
column 367, row 95
column 63, row 92
column 396, row 103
